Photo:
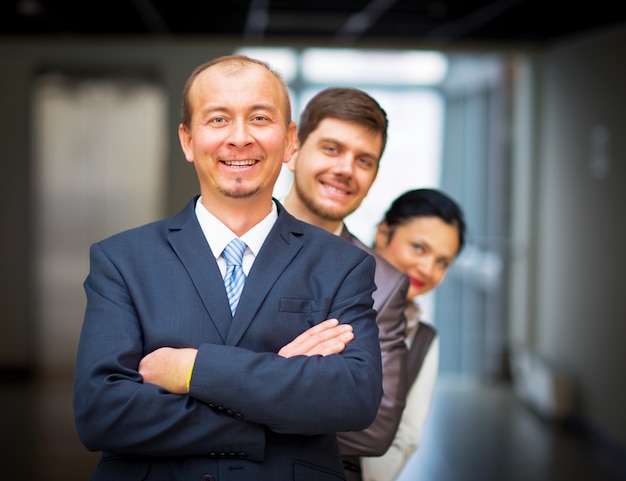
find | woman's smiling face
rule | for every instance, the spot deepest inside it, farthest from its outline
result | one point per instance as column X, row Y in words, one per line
column 423, row 248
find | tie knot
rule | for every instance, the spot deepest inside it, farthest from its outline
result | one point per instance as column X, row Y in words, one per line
column 233, row 252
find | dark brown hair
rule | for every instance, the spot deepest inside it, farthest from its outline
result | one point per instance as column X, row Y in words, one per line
column 349, row 104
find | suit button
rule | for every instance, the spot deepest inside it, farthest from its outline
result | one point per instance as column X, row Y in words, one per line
column 242, row 455
column 230, row 412
column 238, row 416
column 208, row 477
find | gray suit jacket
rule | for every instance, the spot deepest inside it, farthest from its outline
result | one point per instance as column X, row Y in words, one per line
column 390, row 303
column 250, row 414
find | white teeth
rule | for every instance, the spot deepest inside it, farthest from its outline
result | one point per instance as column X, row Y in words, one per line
column 330, row 187
column 239, row 163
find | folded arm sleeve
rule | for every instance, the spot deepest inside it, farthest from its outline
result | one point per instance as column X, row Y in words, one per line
column 114, row 410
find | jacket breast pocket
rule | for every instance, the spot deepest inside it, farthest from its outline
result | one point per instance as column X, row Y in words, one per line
column 313, row 311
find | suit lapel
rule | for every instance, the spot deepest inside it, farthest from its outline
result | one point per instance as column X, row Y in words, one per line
column 278, row 250
column 188, row 241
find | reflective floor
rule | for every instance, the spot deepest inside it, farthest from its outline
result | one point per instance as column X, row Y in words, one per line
column 475, row 432
column 479, row 432
column 38, row 436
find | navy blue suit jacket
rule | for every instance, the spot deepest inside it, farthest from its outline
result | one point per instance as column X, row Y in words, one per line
column 250, row 415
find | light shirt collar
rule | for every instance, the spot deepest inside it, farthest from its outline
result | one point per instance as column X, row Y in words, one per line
column 218, row 235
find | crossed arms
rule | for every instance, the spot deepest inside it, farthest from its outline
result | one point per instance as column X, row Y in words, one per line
column 171, row 368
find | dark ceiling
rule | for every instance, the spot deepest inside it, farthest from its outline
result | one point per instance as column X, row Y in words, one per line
column 342, row 21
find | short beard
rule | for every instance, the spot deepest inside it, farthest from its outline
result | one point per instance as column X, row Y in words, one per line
column 320, row 211
column 238, row 193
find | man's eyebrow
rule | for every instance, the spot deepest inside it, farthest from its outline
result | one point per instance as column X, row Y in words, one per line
column 332, row 140
column 206, row 109
column 212, row 108
column 265, row 107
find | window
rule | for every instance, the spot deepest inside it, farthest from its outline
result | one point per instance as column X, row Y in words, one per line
column 405, row 83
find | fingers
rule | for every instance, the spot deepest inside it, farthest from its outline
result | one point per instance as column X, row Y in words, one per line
column 327, row 337
column 334, row 345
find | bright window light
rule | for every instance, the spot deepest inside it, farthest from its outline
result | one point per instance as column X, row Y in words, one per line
column 384, row 67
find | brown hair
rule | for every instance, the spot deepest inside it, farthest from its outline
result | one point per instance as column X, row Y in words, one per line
column 348, row 104
column 236, row 62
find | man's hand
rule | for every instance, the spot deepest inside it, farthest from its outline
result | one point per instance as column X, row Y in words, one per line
column 168, row 368
column 328, row 337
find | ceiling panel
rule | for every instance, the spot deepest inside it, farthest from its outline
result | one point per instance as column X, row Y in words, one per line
column 346, row 21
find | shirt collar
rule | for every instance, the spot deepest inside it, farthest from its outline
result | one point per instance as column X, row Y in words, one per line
column 218, row 235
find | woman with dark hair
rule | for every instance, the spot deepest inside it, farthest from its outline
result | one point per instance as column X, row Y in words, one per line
column 421, row 234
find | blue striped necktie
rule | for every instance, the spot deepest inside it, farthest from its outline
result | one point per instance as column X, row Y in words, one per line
column 235, row 277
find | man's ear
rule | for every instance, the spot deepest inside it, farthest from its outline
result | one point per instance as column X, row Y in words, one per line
column 291, row 163
column 184, row 134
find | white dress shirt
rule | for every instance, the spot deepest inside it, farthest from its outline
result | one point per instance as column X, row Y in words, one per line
column 218, row 236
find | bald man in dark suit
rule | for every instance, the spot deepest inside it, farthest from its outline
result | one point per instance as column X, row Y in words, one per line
column 171, row 384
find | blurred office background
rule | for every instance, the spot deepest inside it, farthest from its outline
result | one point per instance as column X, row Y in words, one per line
column 515, row 109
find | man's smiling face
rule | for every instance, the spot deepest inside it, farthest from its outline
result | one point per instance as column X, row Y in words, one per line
column 336, row 166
